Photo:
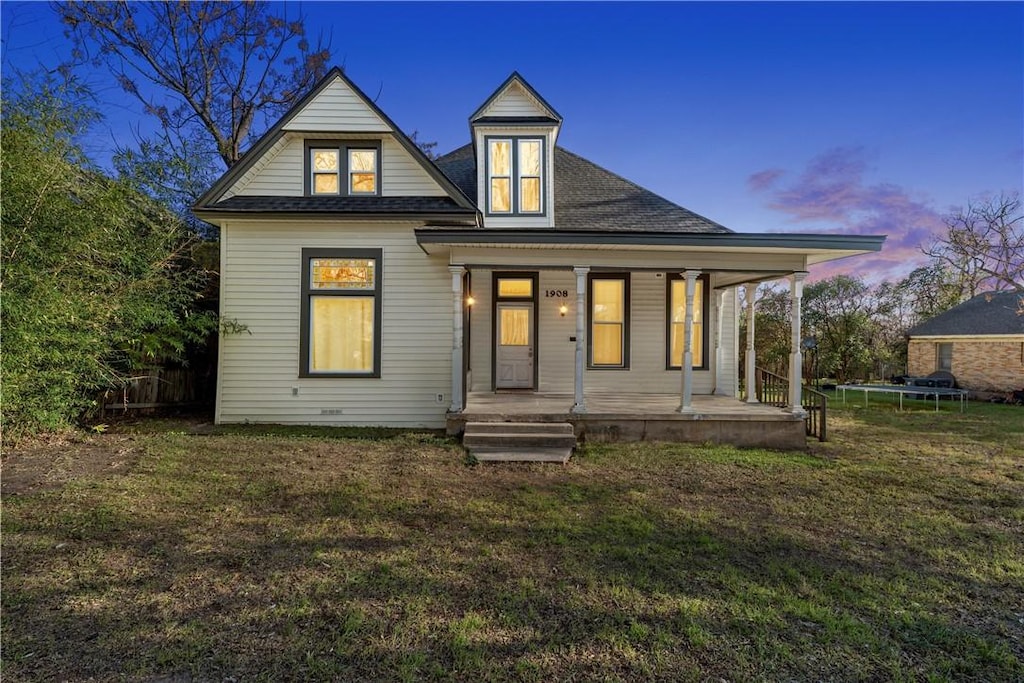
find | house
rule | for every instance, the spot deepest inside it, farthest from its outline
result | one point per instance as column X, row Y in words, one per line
column 981, row 342
column 507, row 278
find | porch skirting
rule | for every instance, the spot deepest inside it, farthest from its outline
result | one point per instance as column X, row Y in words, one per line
column 642, row 417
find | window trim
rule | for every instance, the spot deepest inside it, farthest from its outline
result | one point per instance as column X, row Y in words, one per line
column 705, row 312
column 515, row 185
column 307, row 292
column 938, row 356
column 343, row 147
column 626, row 313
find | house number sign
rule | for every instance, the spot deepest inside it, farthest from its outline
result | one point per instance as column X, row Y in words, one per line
column 556, row 293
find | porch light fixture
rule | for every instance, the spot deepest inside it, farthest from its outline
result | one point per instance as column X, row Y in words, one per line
column 470, row 300
column 562, row 310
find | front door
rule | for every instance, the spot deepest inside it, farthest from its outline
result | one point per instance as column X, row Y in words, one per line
column 514, row 348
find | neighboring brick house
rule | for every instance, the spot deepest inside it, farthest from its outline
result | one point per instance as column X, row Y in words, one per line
column 981, row 342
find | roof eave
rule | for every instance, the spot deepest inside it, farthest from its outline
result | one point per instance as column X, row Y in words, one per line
column 468, row 218
column 805, row 242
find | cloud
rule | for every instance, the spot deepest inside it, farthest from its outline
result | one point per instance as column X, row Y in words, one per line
column 759, row 182
column 832, row 194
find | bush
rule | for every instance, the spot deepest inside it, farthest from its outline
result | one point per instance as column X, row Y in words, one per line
column 96, row 277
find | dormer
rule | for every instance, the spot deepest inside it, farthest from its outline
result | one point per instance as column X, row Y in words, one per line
column 514, row 133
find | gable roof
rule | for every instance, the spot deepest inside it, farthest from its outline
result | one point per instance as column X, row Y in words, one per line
column 253, row 154
column 515, row 79
column 988, row 313
column 591, row 198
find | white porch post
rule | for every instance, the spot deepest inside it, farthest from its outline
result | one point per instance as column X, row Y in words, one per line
column 579, row 404
column 457, row 304
column 796, row 358
column 719, row 372
column 750, row 291
column 686, row 400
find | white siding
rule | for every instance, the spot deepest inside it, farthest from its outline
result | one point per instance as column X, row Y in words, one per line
column 403, row 176
column 556, row 353
column 514, row 102
column 480, row 336
column 281, row 172
column 277, row 174
column 730, row 348
column 337, row 108
column 261, row 287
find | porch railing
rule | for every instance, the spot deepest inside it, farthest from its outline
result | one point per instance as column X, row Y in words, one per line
column 773, row 390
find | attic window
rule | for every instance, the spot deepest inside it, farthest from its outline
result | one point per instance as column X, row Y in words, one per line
column 343, row 168
column 515, row 176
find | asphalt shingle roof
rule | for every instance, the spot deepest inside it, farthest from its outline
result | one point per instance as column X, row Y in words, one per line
column 383, row 205
column 589, row 197
column 988, row 313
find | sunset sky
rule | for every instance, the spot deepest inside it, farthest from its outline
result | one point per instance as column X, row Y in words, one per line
column 833, row 117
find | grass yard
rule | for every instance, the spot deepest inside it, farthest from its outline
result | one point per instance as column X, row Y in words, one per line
column 893, row 552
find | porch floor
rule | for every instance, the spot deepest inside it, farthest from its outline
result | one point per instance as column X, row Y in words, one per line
column 613, row 416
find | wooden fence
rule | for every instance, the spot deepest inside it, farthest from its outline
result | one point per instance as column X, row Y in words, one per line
column 160, row 388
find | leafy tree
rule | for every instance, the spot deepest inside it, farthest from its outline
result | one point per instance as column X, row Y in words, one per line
column 771, row 329
column 216, row 66
column 173, row 168
column 97, row 278
column 840, row 312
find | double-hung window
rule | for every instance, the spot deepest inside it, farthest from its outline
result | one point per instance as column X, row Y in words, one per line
column 341, row 308
column 343, row 168
column 515, row 176
column 609, row 320
column 676, row 332
column 944, row 356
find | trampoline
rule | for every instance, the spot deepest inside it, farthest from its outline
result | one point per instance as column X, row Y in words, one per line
column 927, row 392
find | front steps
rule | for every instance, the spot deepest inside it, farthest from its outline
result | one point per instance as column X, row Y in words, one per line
column 519, row 441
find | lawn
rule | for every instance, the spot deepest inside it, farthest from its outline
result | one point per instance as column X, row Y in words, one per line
column 893, row 552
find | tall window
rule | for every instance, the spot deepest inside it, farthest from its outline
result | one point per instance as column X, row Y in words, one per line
column 944, row 356
column 341, row 306
column 677, row 321
column 343, row 168
column 515, row 175
column 609, row 321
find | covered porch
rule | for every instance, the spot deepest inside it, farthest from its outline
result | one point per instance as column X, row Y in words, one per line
column 634, row 416
column 673, row 322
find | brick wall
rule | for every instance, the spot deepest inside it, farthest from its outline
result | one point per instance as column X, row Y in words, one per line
column 977, row 365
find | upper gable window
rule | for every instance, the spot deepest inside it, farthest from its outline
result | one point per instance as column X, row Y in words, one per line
column 515, row 176
column 343, row 168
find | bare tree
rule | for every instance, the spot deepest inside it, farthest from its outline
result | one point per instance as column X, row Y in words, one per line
column 216, row 65
column 984, row 245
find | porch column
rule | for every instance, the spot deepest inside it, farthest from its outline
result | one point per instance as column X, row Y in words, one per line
column 579, row 404
column 685, row 404
column 750, row 376
column 796, row 358
column 719, row 374
column 457, row 304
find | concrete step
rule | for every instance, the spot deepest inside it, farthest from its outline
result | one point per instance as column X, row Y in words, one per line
column 518, row 428
column 534, row 455
column 499, row 440
column 519, row 441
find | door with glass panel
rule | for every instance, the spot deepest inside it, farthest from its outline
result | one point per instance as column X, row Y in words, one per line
column 514, row 349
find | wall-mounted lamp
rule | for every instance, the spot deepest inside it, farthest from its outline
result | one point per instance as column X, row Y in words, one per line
column 470, row 300
column 562, row 310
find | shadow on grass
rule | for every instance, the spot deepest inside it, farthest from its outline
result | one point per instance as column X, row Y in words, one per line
column 489, row 578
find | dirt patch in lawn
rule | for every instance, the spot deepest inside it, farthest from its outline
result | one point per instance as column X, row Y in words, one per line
column 52, row 462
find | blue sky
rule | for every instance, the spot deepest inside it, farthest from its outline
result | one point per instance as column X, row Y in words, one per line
column 850, row 117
